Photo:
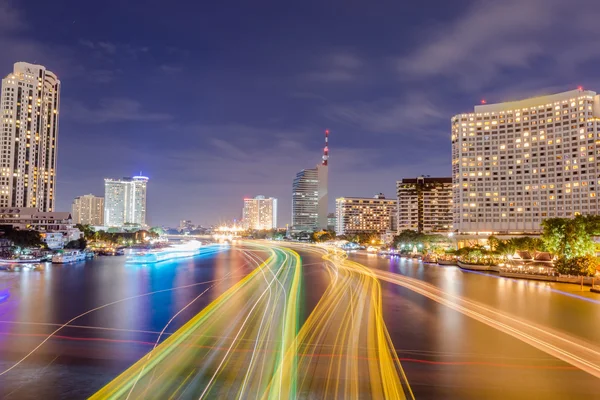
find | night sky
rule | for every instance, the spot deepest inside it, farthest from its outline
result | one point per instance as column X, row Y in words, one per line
column 220, row 100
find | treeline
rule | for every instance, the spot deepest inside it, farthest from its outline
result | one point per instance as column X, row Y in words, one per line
column 571, row 239
column 116, row 238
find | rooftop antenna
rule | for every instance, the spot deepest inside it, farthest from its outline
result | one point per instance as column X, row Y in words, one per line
column 326, row 148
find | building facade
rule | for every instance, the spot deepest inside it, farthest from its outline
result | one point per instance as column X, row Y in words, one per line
column 331, row 221
column 56, row 228
column 125, row 201
column 88, row 210
column 425, row 204
column 186, row 225
column 310, row 195
column 364, row 215
column 30, row 108
column 515, row 164
column 260, row 213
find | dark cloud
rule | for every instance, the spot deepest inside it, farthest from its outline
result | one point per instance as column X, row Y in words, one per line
column 491, row 37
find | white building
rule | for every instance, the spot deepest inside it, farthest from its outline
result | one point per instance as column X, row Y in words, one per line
column 364, row 215
column 260, row 213
column 515, row 164
column 425, row 204
column 88, row 210
column 30, row 108
column 56, row 227
column 310, row 195
column 125, row 201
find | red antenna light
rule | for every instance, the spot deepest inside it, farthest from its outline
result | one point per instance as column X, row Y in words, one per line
column 580, row 88
column 483, row 101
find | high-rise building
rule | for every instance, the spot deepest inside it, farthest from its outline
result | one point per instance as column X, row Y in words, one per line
column 364, row 214
column 260, row 213
column 515, row 164
column 88, row 210
column 331, row 222
column 30, row 110
column 125, row 201
column 425, row 204
column 310, row 196
column 186, row 225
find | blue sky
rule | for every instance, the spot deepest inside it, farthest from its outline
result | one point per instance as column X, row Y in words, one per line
column 216, row 101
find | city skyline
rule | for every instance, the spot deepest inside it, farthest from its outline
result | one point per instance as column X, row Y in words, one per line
column 379, row 100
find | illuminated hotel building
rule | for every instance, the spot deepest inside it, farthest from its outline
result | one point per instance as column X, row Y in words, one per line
column 88, row 210
column 125, row 201
column 360, row 214
column 30, row 106
column 310, row 196
column 425, row 204
column 515, row 164
column 260, row 213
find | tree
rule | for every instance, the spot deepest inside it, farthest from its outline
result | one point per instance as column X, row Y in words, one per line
column 157, row 230
column 407, row 237
column 570, row 238
column 583, row 265
column 87, row 230
column 79, row 244
column 23, row 239
column 322, row 236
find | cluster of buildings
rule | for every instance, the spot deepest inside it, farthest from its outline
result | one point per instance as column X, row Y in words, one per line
column 423, row 204
column 30, row 101
column 123, row 205
column 513, row 165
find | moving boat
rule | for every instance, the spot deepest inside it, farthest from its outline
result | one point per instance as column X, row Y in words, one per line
column 68, row 256
column 187, row 249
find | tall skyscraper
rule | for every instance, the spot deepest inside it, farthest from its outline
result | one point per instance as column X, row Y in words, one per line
column 30, row 110
column 125, row 201
column 260, row 213
column 88, row 210
column 364, row 215
column 310, row 196
column 425, row 204
column 515, row 164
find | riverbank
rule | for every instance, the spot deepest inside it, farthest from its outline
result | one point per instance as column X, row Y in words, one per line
column 575, row 280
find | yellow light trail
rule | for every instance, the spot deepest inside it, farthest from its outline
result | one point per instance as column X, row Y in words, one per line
column 248, row 343
column 583, row 355
column 343, row 350
column 215, row 343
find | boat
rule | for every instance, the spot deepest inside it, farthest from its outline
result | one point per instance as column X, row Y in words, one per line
column 68, row 256
column 473, row 267
column 187, row 249
column 446, row 262
column 22, row 260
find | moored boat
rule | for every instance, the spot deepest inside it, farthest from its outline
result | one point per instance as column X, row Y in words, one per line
column 21, row 260
column 68, row 256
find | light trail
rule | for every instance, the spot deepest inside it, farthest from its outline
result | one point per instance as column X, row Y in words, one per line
column 66, row 324
column 348, row 321
column 246, row 343
column 585, row 356
column 196, row 362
